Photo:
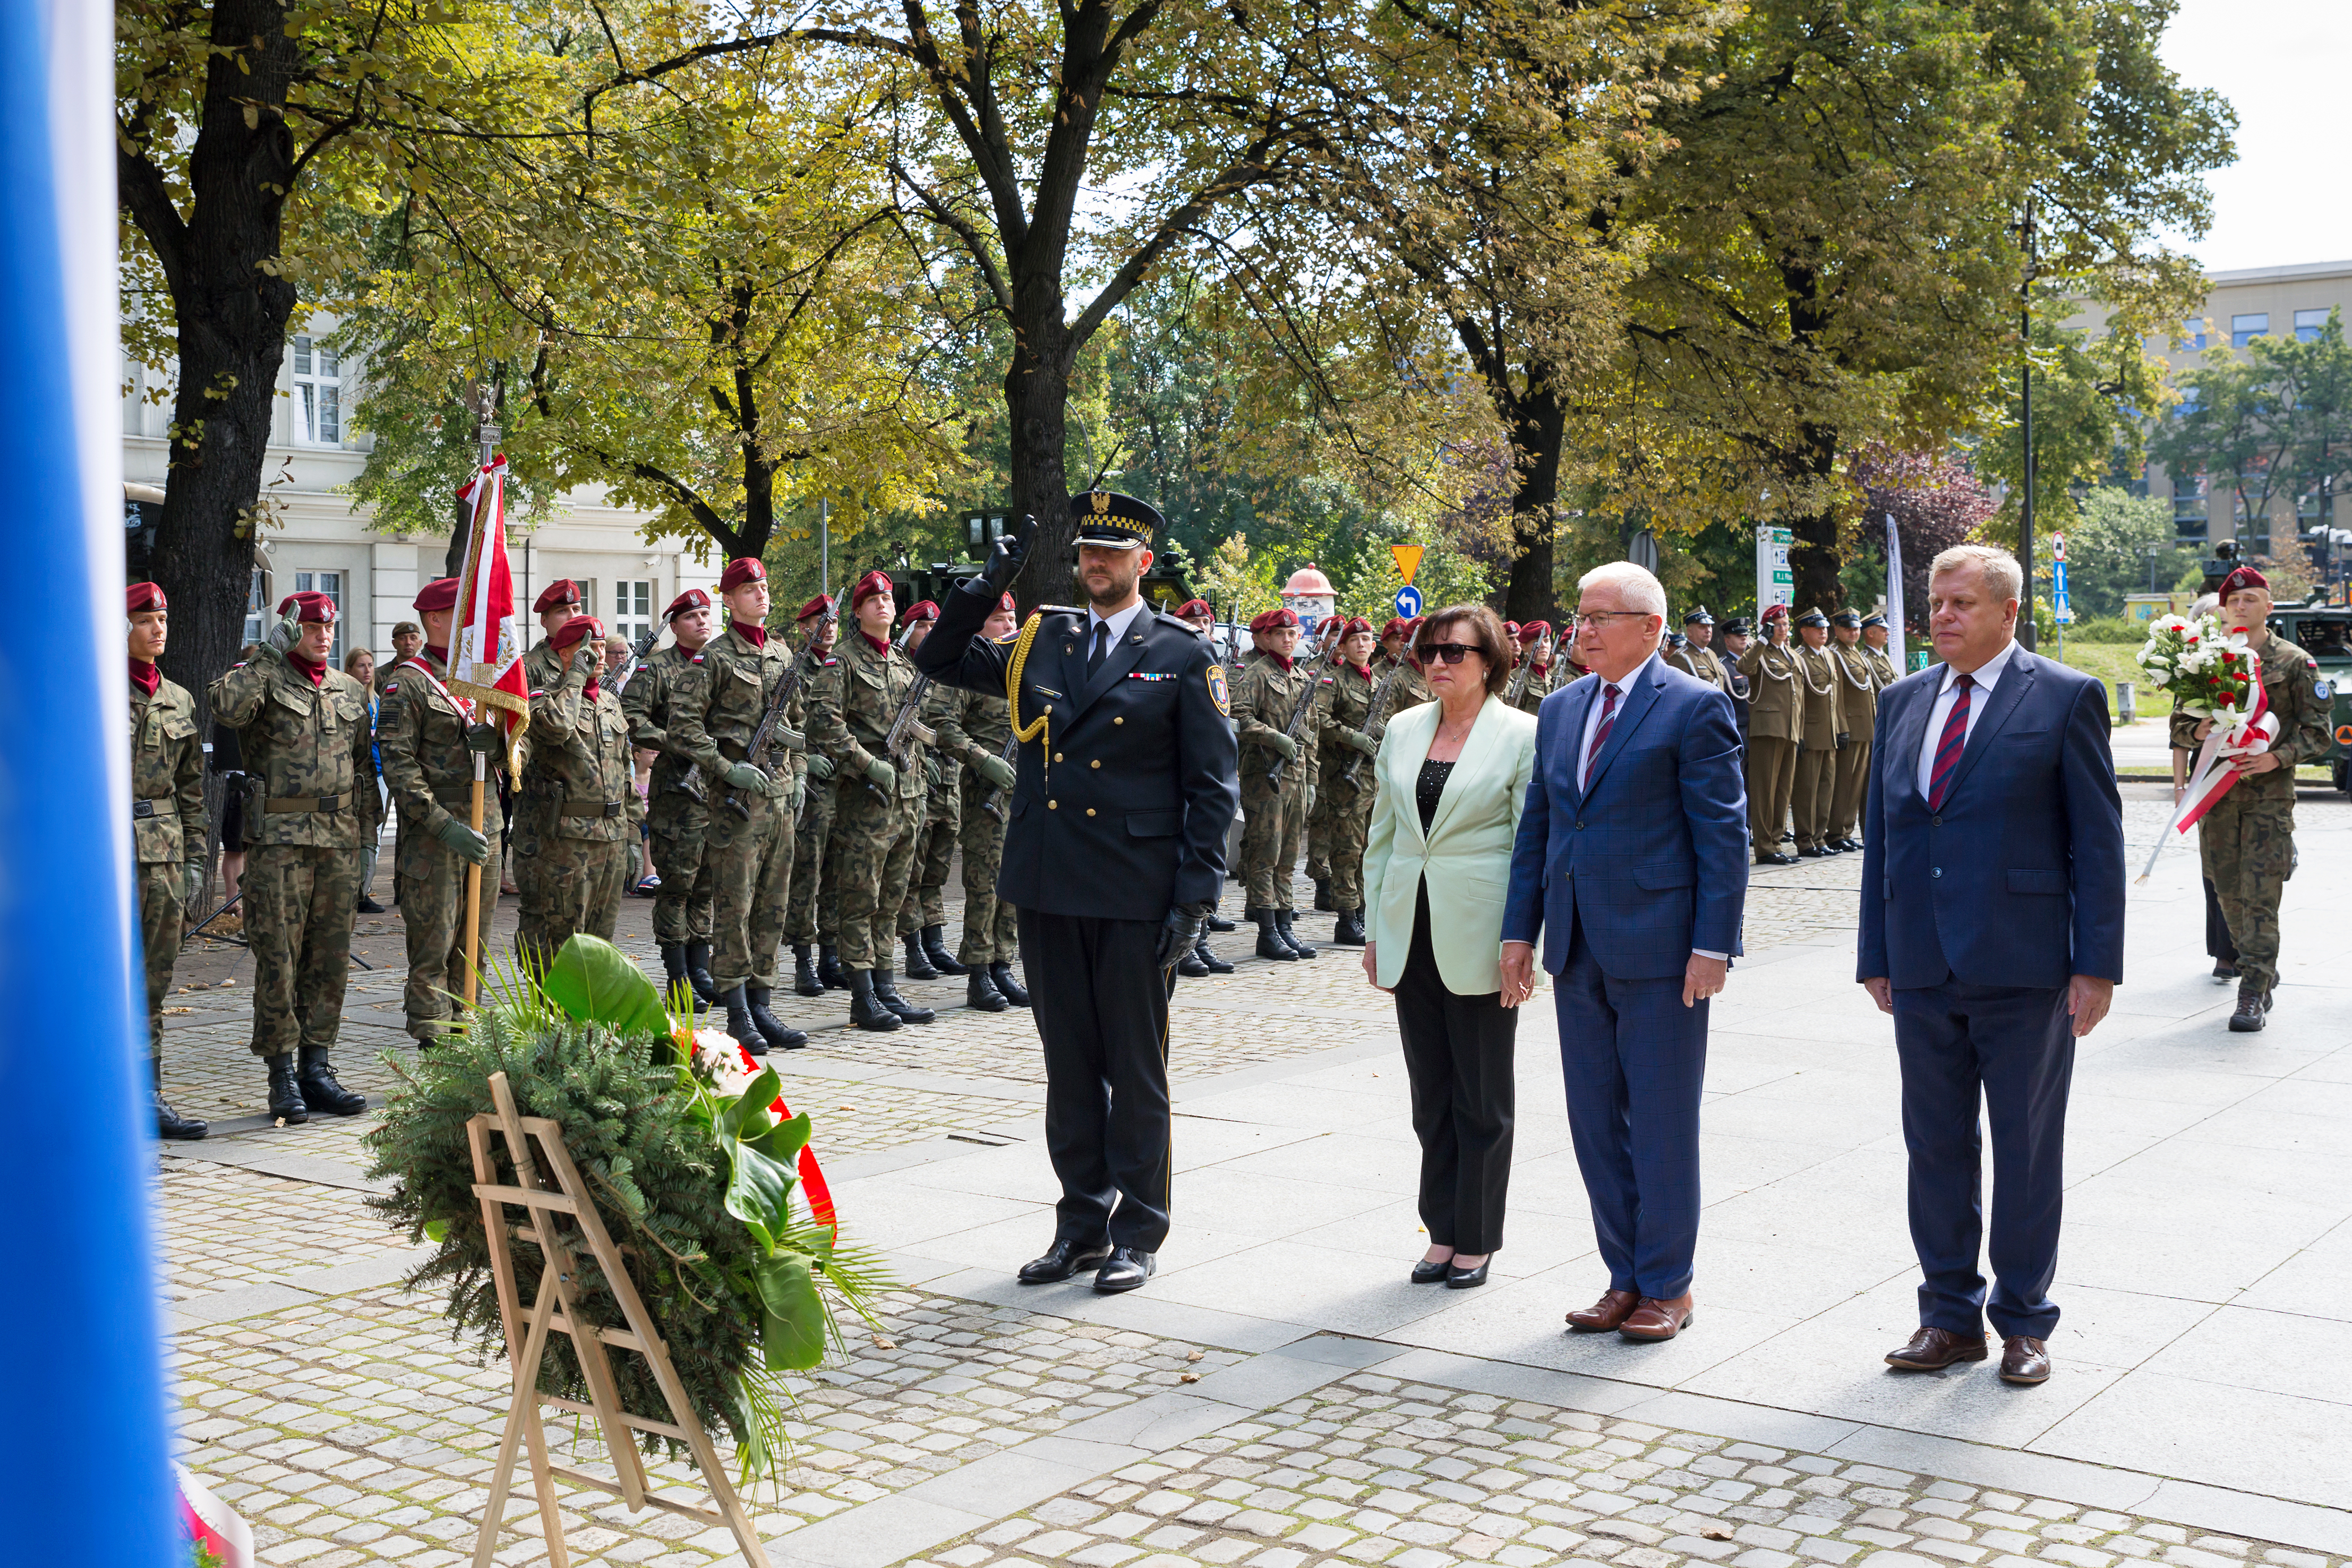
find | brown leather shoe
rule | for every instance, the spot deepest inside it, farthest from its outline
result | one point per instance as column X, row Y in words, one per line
column 1932, row 1350
column 1610, row 1312
column 2024, row 1359
column 1655, row 1320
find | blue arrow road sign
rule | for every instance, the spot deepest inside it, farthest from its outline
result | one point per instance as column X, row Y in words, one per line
column 1408, row 601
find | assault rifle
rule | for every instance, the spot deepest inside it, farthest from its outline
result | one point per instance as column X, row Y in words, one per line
column 906, row 728
column 1526, row 667
column 763, row 738
column 1305, row 705
column 994, row 804
column 1376, row 717
column 637, row 652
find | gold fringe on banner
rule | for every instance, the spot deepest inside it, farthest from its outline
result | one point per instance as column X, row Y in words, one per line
column 498, row 698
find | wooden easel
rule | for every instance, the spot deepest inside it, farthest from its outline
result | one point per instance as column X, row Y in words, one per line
column 555, row 1309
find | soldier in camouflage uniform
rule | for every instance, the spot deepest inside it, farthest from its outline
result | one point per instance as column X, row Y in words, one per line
column 167, row 822
column 677, row 802
column 1318, row 816
column 426, row 742
column 1536, row 650
column 974, row 729
column 1263, row 701
column 923, row 917
column 748, row 842
column 1347, row 745
column 570, row 860
column 2247, row 838
column 1410, row 690
column 877, row 806
column 308, row 752
column 813, row 832
column 1203, row 961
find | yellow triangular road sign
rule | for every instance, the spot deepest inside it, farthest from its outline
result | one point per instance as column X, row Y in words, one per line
column 1407, row 558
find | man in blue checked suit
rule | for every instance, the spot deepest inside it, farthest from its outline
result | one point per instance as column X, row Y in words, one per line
column 1992, row 928
column 1631, row 861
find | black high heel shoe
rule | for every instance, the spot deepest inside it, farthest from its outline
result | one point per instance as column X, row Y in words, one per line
column 1428, row 1273
column 1466, row 1279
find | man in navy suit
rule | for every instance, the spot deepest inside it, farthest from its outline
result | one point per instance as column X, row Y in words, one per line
column 1631, row 859
column 1992, row 928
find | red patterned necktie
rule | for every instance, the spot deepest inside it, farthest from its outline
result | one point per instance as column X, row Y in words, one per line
column 1947, row 749
column 1600, row 734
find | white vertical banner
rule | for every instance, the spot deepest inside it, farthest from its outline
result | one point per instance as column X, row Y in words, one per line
column 1895, row 593
column 1775, row 582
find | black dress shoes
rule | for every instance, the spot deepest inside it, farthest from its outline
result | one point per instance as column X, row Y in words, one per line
column 1466, row 1279
column 1124, row 1270
column 1428, row 1273
column 1932, row 1350
column 1061, row 1261
column 2025, row 1360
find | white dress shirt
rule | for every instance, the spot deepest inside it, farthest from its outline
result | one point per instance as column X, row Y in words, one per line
column 1984, row 678
column 1118, row 621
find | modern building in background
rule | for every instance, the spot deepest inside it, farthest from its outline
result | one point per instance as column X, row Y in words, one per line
column 2240, row 307
column 322, row 541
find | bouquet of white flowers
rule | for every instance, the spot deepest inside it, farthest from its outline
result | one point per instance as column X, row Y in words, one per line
column 2207, row 667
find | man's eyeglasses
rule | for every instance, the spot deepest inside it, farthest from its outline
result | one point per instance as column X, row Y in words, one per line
column 1445, row 653
column 1599, row 620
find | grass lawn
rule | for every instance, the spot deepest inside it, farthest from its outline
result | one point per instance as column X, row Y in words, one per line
column 2113, row 662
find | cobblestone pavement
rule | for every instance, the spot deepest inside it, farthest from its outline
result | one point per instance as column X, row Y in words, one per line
column 1373, row 1470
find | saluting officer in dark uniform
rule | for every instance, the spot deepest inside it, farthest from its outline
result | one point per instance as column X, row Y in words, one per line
column 1113, row 858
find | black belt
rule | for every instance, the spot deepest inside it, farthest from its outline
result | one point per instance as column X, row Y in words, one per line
column 594, row 808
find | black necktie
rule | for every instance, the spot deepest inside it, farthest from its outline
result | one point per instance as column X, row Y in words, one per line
column 1102, row 645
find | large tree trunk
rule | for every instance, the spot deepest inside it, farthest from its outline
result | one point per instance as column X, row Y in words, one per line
column 1538, row 430
column 1037, row 401
column 1814, row 562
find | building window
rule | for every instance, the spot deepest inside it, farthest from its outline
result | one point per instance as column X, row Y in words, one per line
column 317, row 394
column 2193, row 334
column 632, row 609
column 329, row 583
column 2189, row 513
column 2309, row 324
column 2244, row 329
column 2192, row 398
column 254, row 606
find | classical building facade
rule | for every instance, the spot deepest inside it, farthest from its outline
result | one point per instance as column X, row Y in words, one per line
column 321, row 541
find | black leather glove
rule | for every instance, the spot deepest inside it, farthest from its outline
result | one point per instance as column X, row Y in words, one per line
column 1180, row 930
column 1004, row 558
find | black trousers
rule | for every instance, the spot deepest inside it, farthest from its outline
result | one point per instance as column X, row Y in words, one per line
column 1457, row 1058
column 1101, row 1006
column 2218, row 944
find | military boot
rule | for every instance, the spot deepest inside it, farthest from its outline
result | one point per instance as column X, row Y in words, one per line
column 698, row 974
column 319, row 1089
column 886, row 991
column 1348, row 930
column 674, row 980
column 1270, row 943
column 2253, row 1011
column 1000, row 975
column 935, row 948
column 919, row 963
column 1209, row 959
column 1220, row 924
column 980, row 993
column 1191, row 965
column 1323, row 893
column 778, row 1033
column 170, row 1123
column 1282, row 929
column 739, row 1022
column 286, row 1103
column 804, row 980
column 864, row 1010
column 828, row 968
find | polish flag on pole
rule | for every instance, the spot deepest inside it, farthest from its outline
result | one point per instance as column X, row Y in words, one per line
column 486, row 646
column 2213, row 777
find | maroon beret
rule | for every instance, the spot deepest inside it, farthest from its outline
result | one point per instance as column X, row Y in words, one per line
column 1274, row 620
column 821, row 605
column 872, row 583
column 692, row 598
column 141, row 596
column 743, row 569
column 2244, row 577
column 438, row 595
column 1532, row 631
column 316, row 607
column 1193, row 607
column 922, row 610
column 574, row 629
column 556, row 595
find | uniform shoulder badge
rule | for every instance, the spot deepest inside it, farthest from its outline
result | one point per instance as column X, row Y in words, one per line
column 1217, row 692
column 390, row 687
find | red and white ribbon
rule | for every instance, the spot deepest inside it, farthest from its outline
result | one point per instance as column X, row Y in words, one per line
column 212, row 1522
column 2214, row 775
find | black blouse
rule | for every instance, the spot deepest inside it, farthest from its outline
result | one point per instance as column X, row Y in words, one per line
column 1430, row 789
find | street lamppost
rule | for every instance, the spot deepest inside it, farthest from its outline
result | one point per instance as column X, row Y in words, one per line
column 2025, row 388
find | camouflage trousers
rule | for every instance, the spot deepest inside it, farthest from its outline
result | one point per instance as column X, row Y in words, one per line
column 431, row 883
column 568, row 886
column 990, row 935
column 926, row 883
column 682, row 909
column 810, row 840
column 1351, row 822
column 162, row 891
column 1274, row 824
column 1852, row 784
column 1320, row 822
column 750, row 868
column 874, row 838
column 298, row 902
column 2247, row 844
column 1772, row 780
column 1816, row 790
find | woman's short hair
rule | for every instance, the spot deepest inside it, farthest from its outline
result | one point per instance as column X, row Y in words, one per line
column 1484, row 632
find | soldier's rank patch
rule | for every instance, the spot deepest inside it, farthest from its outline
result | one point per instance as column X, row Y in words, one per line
column 2322, row 689
column 1217, row 689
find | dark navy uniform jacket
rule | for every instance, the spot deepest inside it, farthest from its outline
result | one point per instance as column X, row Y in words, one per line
column 1121, row 812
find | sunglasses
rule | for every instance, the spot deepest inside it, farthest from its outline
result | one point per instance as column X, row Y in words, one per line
column 1446, row 653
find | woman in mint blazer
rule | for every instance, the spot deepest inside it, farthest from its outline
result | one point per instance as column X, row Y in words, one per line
column 1452, row 776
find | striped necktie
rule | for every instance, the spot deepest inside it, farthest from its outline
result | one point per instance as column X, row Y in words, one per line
column 1599, row 733
column 1955, row 740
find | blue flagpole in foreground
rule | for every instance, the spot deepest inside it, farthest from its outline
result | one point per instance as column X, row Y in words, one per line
column 85, row 1475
